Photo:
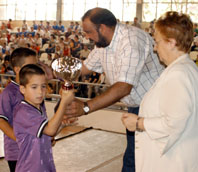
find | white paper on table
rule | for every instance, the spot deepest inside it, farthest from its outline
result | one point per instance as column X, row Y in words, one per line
column 1, row 145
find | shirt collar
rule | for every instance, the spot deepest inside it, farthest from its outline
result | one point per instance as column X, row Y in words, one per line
column 115, row 38
column 179, row 59
column 14, row 83
column 27, row 103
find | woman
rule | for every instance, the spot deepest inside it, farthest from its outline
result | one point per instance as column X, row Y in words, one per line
column 167, row 126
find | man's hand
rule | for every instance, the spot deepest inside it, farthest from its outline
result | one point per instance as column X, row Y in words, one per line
column 75, row 109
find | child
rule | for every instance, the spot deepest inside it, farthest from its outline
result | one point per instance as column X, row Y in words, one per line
column 9, row 98
column 31, row 127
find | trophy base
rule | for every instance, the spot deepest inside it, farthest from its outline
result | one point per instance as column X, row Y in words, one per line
column 67, row 87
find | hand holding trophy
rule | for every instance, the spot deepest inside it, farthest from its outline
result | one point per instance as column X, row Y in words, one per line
column 67, row 69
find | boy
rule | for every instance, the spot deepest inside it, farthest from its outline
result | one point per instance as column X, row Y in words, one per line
column 31, row 127
column 9, row 98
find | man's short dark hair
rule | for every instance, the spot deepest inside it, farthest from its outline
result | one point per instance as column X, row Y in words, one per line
column 100, row 16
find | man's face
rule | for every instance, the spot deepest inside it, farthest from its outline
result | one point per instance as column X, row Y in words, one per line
column 102, row 42
column 93, row 33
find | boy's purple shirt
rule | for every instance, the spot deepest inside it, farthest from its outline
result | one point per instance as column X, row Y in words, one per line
column 35, row 151
column 9, row 98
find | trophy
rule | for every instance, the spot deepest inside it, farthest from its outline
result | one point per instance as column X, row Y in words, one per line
column 67, row 69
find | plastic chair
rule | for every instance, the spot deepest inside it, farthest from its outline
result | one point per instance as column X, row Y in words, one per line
column 44, row 47
column 43, row 57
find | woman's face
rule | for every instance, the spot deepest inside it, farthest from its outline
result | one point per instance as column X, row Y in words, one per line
column 161, row 46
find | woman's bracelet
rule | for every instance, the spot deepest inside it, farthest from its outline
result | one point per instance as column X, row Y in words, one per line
column 137, row 125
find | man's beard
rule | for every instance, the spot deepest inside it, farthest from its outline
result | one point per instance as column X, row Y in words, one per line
column 102, row 43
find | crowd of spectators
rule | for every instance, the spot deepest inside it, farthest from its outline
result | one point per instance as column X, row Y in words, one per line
column 53, row 40
column 150, row 29
column 48, row 40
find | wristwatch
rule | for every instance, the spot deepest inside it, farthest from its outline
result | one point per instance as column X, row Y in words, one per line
column 86, row 108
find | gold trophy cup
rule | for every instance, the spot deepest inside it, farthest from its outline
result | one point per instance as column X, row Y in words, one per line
column 67, row 69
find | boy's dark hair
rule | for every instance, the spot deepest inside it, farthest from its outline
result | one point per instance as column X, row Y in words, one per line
column 19, row 55
column 27, row 71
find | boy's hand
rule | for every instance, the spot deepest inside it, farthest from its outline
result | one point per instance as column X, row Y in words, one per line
column 69, row 121
column 53, row 141
column 67, row 96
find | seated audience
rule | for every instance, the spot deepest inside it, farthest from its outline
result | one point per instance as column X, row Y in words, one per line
column 66, row 50
column 35, row 26
column 136, row 23
column 61, row 27
column 9, row 24
column 84, row 52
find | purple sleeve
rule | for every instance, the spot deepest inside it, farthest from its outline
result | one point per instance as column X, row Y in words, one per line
column 5, row 106
column 29, row 121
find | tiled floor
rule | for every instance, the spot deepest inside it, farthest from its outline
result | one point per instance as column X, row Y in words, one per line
column 91, row 150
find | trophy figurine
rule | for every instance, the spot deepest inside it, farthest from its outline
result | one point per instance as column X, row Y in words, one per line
column 67, row 69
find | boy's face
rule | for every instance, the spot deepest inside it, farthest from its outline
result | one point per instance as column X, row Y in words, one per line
column 34, row 92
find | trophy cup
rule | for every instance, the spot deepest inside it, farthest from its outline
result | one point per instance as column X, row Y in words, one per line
column 67, row 69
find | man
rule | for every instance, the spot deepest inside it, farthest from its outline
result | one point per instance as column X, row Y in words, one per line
column 84, row 52
column 125, row 55
column 136, row 23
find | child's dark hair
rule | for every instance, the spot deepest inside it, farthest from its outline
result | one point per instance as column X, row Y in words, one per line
column 19, row 55
column 27, row 71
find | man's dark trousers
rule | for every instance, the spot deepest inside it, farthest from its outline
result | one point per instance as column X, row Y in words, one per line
column 129, row 156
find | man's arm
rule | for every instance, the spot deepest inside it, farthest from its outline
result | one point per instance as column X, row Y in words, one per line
column 109, row 97
column 85, row 70
column 7, row 129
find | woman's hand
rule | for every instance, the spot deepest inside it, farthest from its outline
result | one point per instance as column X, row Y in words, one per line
column 129, row 120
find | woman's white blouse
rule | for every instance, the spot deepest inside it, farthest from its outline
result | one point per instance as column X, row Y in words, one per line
column 170, row 108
